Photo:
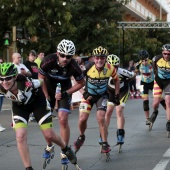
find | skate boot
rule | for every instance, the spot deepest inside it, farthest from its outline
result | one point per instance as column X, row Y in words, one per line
column 48, row 155
column 168, row 128
column 152, row 119
column 79, row 142
column 120, row 138
column 29, row 168
column 70, row 155
column 106, row 149
column 147, row 121
column 64, row 161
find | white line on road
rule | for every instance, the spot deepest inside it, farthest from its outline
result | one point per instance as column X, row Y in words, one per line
column 164, row 162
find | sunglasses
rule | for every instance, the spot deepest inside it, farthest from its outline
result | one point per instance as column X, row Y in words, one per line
column 67, row 56
column 100, row 57
column 145, row 60
column 166, row 53
column 6, row 78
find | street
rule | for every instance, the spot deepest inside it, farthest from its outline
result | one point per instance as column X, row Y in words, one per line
column 143, row 149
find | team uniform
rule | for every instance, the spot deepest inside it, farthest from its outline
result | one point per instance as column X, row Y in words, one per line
column 30, row 98
column 162, row 78
column 57, row 74
column 147, row 76
column 124, row 76
column 96, row 86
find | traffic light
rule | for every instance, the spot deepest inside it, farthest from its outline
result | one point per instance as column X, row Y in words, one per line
column 7, row 38
column 19, row 33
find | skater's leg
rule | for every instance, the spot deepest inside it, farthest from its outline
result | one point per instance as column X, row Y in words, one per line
column 120, row 117
column 51, row 137
column 102, row 125
column 167, row 101
column 146, row 109
column 83, row 118
column 162, row 102
column 110, row 108
column 64, row 126
column 21, row 138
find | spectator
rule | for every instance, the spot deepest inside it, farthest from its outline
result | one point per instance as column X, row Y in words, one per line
column 16, row 57
column 132, row 84
column 33, row 67
column 1, row 98
column 39, row 59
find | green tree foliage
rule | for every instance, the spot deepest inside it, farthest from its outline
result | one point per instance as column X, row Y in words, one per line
column 95, row 23
column 88, row 23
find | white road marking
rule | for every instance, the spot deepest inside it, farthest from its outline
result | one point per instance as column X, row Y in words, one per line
column 164, row 162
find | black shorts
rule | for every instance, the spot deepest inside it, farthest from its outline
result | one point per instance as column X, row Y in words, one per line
column 164, row 84
column 147, row 87
column 39, row 107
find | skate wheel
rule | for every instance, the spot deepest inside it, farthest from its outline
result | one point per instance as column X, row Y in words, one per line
column 168, row 134
column 77, row 167
column 107, row 157
column 64, row 167
column 119, row 148
column 44, row 164
column 48, row 161
column 150, row 126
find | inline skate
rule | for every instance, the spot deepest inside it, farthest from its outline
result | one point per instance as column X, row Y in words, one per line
column 48, row 155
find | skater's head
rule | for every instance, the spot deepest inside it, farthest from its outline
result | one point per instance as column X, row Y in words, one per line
column 99, row 56
column 8, row 73
column 143, row 55
column 166, row 51
column 65, row 52
column 113, row 60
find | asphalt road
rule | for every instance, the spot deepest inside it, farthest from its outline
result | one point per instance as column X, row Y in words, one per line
column 143, row 149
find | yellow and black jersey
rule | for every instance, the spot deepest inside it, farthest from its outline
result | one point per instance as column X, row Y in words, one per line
column 162, row 66
column 96, row 82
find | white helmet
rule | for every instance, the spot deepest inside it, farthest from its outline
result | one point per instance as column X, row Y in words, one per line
column 113, row 60
column 66, row 47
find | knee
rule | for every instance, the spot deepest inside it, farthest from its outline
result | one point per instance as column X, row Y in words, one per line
column 21, row 137
column 82, row 119
column 63, row 121
column 49, row 135
column 167, row 103
column 101, row 118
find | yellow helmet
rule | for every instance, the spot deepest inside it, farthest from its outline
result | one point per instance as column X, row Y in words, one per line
column 113, row 60
column 100, row 51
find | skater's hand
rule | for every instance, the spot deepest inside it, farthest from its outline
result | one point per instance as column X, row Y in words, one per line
column 87, row 96
column 60, row 96
column 116, row 100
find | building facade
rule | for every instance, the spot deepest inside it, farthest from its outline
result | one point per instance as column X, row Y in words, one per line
column 142, row 10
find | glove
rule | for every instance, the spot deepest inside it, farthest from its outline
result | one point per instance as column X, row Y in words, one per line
column 86, row 95
column 64, row 94
column 116, row 100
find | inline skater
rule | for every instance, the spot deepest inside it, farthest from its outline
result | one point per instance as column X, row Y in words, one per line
column 124, row 76
column 27, row 96
column 97, row 74
column 58, row 68
column 162, row 83
column 146, row 70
